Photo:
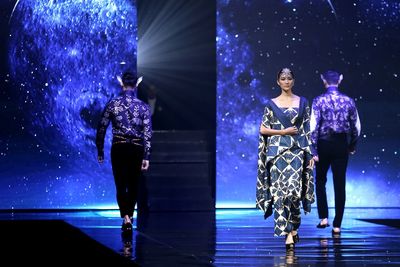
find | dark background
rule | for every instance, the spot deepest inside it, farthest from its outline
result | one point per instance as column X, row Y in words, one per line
column 176, row 54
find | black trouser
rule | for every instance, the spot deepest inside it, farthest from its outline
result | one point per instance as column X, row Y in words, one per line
column 332, row 153
column 126, row 160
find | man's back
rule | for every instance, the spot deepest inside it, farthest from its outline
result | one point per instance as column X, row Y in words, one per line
column 130, row 118
column 335, row 112
column 128, row 115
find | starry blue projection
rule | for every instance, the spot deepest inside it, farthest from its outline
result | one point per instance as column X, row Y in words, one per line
column 64, row 57
column 358, row 38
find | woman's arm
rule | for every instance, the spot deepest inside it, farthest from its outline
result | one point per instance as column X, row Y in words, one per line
column 288, row 131
column 265, row 128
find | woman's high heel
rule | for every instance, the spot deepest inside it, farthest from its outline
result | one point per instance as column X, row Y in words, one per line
column 289, row 246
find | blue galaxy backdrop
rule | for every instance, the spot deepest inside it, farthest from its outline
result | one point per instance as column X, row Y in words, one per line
column 360, row 39
column 59, row 61
column 62, row 59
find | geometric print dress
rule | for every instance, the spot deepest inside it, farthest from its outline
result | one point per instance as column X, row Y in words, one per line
column 284, row 183
column 285, row 171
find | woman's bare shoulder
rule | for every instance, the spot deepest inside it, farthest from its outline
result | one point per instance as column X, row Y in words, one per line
column 296, row 97
column 275, row 100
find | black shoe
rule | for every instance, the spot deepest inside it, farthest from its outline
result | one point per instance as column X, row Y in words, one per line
column 126, row 227
column 336, row 234
column 322, row 225
column 296, row 238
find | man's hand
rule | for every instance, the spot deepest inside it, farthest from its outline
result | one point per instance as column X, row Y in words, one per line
column 352, row 152
column 316, row 158
column 145, row 165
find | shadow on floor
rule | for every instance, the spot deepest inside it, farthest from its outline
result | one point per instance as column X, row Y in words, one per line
column 53, row 241
column 388, row 222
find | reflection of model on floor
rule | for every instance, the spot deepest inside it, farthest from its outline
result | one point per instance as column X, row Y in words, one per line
column 291, row 257
column 237, row 237
column 127, row 248
column 328, row 247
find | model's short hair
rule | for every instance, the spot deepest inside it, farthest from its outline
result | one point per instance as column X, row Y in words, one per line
column 129, row 79
column 331, row 77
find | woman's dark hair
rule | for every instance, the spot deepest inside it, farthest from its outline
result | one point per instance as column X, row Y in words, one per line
column 129, row 79
column 284, row 70
column 331, row 77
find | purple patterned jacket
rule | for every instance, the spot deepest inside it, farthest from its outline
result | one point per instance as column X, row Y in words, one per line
column 131, row 119
column 334, row 112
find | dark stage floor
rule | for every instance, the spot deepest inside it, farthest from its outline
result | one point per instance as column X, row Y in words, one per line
column 224, row 238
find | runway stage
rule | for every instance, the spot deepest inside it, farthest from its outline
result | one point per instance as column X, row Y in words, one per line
column 228, row 237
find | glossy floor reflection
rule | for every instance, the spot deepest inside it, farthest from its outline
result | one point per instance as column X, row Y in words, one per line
column 244, row 239
column 233, row 238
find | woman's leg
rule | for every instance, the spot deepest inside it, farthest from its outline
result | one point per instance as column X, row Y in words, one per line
column 282, row 217
column 295, row 219
column 295, row 213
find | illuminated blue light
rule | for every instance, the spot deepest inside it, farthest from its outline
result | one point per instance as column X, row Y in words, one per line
column 246, row 79
column 65, row 55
